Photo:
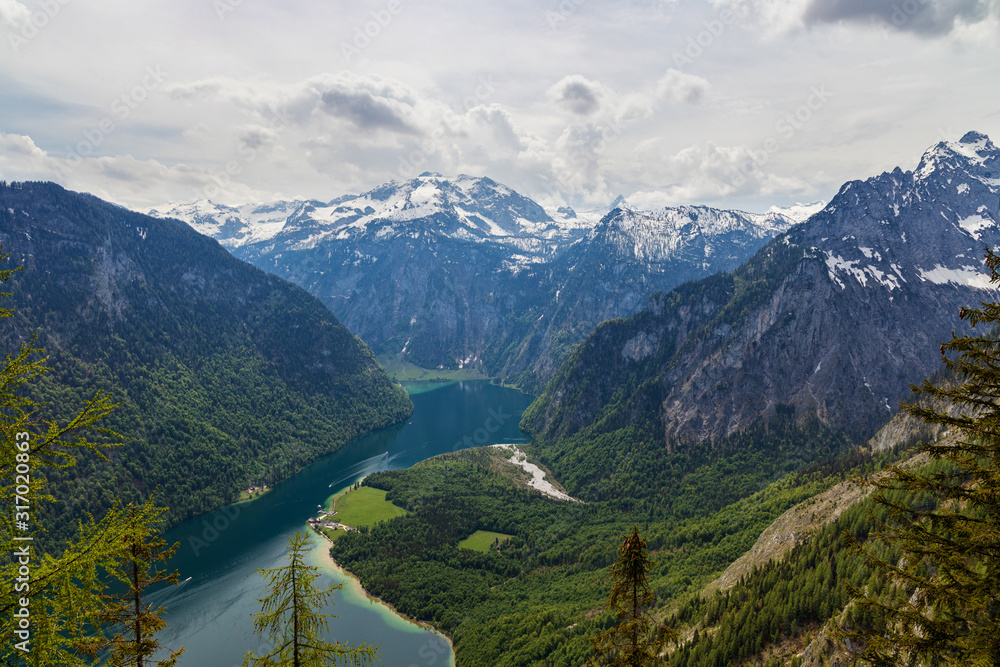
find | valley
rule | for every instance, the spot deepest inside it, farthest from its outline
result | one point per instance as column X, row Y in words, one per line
column 538, row 334
column 725, row 412
column 224, row 583
column 450, row 275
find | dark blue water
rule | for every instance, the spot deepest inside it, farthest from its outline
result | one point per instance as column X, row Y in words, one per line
column 210, row 614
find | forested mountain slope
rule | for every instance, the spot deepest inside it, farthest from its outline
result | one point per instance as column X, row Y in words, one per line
column 226, row 375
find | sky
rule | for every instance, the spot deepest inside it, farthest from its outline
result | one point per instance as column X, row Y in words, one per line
column 731, row 103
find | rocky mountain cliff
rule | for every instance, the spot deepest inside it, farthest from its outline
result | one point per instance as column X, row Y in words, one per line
column 835, row 317
column 625, row 258
column 467, row 272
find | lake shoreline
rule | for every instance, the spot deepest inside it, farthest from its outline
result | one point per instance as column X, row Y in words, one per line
column 334, row 567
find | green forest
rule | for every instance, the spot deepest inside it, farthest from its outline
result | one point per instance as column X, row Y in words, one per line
column 221, row 377
column 224, row 376
column 550, row 578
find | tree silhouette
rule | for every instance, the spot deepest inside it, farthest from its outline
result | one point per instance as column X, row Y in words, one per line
column 288, row 619
column 636, row 639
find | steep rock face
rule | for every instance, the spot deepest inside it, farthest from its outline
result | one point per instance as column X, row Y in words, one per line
column 467, row 272
column 628, row 256
column 836, row 317
column 227, row 375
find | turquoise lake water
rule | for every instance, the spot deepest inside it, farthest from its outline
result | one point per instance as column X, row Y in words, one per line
column 210, row 613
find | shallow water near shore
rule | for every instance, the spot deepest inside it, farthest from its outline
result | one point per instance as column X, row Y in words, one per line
column 210, row 612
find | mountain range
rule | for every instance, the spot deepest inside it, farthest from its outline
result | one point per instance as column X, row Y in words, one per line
column 834, row 318
column 729, row 419
column 467, row 273
column 698, row 371
column 226, row 376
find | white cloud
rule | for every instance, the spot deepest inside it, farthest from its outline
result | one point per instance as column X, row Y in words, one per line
column 13, row 13
column 676, row 86
column 120, row 178
column 260, row 105
column 579, row 94
column 709, row 172
column 21, row 159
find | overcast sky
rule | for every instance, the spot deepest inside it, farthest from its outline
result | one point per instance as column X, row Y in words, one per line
column 733, row 103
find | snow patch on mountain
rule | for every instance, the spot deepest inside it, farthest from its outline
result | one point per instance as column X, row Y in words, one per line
column 974, row 153
column 970, row 276
column 232, row 226
column 974, row 224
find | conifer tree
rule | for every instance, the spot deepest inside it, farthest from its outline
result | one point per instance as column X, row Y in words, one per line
column 51, row 600
column 943, row 602
column 60, row 586
column 636, row 639
column 290, row 622
column 136, row 571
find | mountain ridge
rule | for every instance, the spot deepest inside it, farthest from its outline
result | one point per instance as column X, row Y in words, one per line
column 835, row 316
column 469, row 273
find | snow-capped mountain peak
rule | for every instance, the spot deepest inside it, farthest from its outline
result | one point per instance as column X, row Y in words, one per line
column 926, row 226
column 655, row 236
column 798, row 212
column 232, row 226
column 974, row 153
column 466, row 207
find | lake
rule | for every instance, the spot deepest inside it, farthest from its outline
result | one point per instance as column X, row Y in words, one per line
column 210, row 613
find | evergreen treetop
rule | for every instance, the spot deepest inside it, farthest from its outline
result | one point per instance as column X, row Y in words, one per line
column 290, row 622
column 944, row 601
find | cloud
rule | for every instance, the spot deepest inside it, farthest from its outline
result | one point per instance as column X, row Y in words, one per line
column 585, row 97
column 256, row 136
column 921, row 17
column 13, row 13
column 578, row 94
column 369, row 103
column 677, row 87
column 119, row 178
column 19, row 155
column 926, row 18
column 708, row 172
column 500, row 125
